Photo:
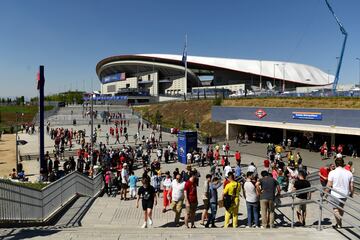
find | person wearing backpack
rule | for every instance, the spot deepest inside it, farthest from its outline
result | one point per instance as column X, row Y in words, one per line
column 231, row 200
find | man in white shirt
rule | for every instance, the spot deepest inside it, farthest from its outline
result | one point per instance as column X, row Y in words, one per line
column 177, row 197
column 252, row 168
column 227, row 169
column 188, row 158
column 224, row 148
column 341, row 183
column 159, row 154
column 124, row 181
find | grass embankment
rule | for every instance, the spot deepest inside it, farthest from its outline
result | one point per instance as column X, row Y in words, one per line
column 184, row 115
column 310, row 102
column 36, row 185
column 8, row 115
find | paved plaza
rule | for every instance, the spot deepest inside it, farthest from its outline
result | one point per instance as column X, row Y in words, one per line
column 111, row 218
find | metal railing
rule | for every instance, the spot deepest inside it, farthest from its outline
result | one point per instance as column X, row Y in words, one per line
column 21, row 203
column 324, row 198
column 314, row 177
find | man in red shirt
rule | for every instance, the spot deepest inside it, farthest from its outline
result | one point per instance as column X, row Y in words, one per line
column 191, row 201
column 238, row 156
column 324, row 173
column 267, row 165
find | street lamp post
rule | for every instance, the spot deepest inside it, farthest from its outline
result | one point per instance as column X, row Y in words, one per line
column 359, row 69
column 92, row 128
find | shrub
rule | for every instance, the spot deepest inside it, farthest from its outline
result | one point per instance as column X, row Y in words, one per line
column 217, row 101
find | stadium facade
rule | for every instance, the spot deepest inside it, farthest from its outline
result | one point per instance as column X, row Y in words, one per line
column 164, row 74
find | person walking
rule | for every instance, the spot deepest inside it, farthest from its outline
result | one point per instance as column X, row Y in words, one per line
column 341, row 183
column 302, row 183
column 267, row 187
column 324, row 173
column 148, row 196
column 231, row 200
column 124, row 181
column 108, row 183
column 177, row 197
column 117, row 138
column 191, row 201
column 213, row 201
column 166, row 189
column 132, row 185
column 238, row 157
column 252, row 201
column 205, row 198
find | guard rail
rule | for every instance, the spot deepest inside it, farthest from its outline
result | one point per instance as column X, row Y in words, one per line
column 351, row 211
column 20, row 203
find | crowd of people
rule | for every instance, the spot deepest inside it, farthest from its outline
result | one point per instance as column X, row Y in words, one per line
column 223, row 185
column 282, row 173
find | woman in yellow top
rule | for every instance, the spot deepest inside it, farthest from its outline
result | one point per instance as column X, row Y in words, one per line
column 232, row 189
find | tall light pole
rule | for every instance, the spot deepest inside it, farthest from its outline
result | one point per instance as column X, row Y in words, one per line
column 359, row 69
column 92, row 128
column 260, row 75
column 274, row 72
column 283, row 87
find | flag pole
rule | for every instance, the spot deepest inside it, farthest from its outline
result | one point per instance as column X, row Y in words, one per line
column 185, row 64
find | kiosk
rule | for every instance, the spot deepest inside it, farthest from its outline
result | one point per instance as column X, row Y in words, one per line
column 187, row 142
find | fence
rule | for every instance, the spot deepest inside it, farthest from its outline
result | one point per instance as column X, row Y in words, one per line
column 20, row 203
column 48, row 113
column 350, row 212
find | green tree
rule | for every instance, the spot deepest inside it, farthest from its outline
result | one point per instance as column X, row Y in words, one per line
column 158, row 117
column 22, row 100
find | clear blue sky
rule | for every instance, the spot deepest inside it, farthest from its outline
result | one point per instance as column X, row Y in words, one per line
column 69, row 37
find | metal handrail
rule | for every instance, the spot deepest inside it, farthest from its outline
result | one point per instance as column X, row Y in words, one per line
column 323, row 192
column 21, row 203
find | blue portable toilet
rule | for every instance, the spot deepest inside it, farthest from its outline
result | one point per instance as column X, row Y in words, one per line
column 187, row 142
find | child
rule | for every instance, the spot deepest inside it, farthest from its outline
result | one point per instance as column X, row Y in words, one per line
column 132, row 184
column 147, row 192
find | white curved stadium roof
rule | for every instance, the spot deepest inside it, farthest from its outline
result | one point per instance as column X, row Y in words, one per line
column 294, row 72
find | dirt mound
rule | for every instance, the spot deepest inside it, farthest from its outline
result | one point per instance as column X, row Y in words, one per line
column 7, row 154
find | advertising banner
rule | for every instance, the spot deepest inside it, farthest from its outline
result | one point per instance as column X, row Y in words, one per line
column 307, row 115
column 106, row 98
column 113, row 78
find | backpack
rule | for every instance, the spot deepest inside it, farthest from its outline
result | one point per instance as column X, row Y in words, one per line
column 229, row 200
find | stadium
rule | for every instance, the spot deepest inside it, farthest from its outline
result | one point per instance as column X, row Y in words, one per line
column 164, row 74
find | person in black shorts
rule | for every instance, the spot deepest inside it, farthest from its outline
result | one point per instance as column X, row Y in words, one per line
column 148, row 196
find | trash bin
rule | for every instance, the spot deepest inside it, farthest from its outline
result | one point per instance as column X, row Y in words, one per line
column 74, row 122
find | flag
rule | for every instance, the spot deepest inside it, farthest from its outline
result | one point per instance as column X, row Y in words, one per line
column 38, row 80
column 184, row 56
